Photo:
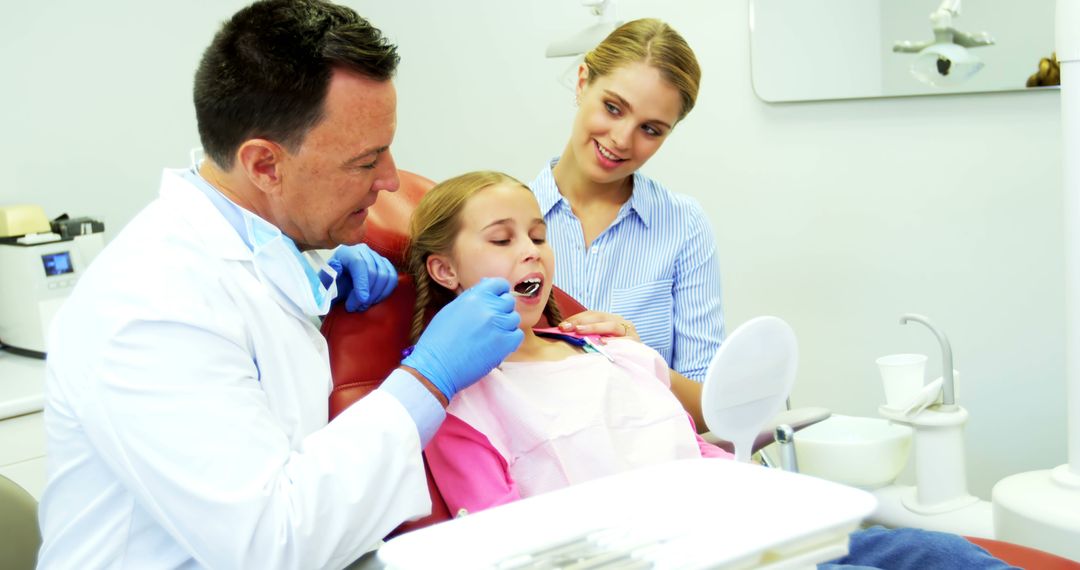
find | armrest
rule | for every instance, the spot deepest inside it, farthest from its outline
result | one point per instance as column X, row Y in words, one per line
column 797, row 418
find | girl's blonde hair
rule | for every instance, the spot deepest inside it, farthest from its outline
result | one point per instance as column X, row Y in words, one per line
column 434, row 227
column 655, row 43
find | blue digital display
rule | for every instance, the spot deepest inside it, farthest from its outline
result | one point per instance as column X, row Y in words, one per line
column 57, row 263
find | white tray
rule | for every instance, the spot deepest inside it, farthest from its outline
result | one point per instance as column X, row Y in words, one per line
column 697, row 513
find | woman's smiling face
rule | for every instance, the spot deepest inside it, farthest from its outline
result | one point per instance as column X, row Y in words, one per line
column 622, row 120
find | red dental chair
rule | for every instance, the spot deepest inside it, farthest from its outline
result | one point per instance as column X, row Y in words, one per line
column 366, row 347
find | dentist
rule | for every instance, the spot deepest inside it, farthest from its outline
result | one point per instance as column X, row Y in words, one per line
column 187, row 381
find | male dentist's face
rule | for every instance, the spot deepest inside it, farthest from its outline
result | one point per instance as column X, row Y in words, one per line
column 336, row 174
column 622, row 120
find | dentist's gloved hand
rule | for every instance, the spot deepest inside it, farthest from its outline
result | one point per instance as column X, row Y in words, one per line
column 468, row 337
column 364, row 277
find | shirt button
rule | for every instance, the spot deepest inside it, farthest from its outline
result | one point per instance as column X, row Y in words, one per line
column 594, row 249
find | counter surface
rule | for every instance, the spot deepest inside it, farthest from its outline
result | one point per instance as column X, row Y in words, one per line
column 22, row 385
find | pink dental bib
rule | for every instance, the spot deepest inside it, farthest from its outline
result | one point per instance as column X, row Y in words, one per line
column 564, row 422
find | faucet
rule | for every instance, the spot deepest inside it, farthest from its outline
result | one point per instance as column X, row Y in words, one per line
column 948, row 398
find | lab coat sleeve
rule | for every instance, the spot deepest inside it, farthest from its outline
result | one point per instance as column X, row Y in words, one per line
column 698, row 319
column 191, row 435
column 469, row 472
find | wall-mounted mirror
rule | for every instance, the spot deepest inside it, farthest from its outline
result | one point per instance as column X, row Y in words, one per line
column 805, row 50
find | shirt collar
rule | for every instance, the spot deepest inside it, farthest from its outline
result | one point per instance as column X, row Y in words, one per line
column 229, row 209
column 642, row 200
column 547, row 191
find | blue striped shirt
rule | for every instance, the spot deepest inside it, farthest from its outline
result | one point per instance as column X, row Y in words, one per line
column 655, row 265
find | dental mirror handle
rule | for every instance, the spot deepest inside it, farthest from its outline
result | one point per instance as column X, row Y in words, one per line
column 785, row 441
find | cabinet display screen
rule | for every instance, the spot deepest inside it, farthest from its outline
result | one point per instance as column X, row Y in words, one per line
column 57, row 263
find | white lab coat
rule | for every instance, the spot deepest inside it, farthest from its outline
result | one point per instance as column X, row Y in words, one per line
column 186, row 415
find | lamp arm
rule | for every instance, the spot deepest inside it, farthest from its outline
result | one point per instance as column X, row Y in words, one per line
column 972, row 40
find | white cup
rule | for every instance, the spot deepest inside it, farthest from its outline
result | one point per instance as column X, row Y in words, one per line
column 903, row 376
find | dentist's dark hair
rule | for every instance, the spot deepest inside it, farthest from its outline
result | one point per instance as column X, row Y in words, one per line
column 433, row 228
column 268, row 69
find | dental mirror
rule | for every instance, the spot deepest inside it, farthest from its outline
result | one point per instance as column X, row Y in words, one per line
column 749, row 380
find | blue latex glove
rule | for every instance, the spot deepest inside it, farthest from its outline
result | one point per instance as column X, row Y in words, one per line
column 364, row 277
column 468, row 337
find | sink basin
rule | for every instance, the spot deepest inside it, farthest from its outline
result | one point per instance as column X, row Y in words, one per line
column 861, row 452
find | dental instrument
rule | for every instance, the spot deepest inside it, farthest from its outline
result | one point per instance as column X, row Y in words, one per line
column 638, row 515
column 588, row 343
column 785, row 440
column 748, row 381
column 528, row 291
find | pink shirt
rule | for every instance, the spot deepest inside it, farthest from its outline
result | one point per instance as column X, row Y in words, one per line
column 531, row 427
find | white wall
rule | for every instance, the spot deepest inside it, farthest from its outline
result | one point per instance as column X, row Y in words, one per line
column 816, row 50
column 96, row 99
column 837, row 216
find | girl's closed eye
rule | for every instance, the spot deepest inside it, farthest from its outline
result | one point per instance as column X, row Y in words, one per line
column 498, row 235
column 501, row 237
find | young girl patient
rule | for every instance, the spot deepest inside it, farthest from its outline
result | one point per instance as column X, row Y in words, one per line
column 554, row 413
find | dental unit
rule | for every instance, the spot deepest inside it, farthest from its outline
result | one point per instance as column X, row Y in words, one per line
column 940, row 499
column 1042, row 508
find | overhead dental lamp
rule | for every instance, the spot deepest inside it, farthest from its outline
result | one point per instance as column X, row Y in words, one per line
column 586, row 39
column 945, row 61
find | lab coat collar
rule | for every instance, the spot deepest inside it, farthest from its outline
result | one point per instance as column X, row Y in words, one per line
column 189, row 202
column 642, row 202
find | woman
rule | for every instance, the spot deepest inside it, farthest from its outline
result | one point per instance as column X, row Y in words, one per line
column 624, row 243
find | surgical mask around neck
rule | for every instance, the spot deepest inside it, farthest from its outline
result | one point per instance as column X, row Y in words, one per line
column 279, row 261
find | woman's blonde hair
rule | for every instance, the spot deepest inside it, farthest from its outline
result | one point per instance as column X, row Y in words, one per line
column 434, row 227
column 655, row 43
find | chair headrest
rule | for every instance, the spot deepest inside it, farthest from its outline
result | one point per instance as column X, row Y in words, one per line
column 388, row 220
